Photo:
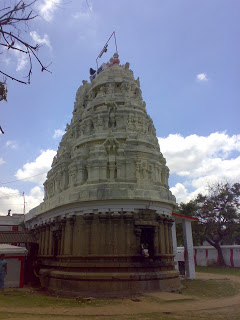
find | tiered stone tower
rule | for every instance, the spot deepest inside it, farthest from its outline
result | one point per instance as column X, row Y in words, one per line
column 107, row 196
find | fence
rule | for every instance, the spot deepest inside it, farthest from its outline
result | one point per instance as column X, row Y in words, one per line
column 207, row 255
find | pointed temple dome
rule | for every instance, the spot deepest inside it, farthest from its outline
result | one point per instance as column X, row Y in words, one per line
column 110, row 149
column 107, row 196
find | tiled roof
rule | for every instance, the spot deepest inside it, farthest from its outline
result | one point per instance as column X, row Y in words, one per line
column 16, row 237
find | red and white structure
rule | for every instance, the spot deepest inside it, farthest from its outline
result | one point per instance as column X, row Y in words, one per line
column 11, row 223
column 15, row 265
column 188, row 242
column 208, row 255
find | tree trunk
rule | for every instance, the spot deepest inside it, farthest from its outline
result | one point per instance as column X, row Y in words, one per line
column 216, row 245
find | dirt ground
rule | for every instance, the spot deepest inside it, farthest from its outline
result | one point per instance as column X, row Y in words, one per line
column 165, row 305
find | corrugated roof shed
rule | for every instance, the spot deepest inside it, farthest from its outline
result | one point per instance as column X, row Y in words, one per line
column 17, row 237
column 12, row 250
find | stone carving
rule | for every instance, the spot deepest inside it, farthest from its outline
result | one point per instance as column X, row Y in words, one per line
column 111, row 146
column 110, row 88
column 138, row 82
column 91, row 95
column 114, row 140
column 112, row 117
column 106, row 176
column 113, row 60
column 127, row 65
column 101, row 92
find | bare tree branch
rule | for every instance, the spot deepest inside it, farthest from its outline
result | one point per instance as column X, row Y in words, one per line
column 15, row 79
column 13, row 22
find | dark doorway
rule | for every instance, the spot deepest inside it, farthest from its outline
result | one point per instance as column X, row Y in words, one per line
column 147, row 239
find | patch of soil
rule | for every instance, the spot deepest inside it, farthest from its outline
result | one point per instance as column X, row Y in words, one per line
column 144, row 305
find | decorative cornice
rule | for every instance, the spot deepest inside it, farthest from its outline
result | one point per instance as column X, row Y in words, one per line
column 128, row 216
column 88, row 217
column 115, row 216
column 103, row 216
column 71, row 219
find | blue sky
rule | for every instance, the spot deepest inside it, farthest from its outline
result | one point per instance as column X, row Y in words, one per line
column 187, row 55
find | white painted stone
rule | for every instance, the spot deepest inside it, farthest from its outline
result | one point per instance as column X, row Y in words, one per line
column 188, row 246
column 174, row 241
column 109, row 152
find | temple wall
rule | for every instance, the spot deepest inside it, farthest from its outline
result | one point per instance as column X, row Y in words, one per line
column 105, row 233
column 97, row 247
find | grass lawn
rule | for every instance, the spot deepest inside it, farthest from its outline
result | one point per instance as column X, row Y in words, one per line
column 209, row 288
column 33, row 299
column 143, row 316
column 203, row 289
column 220, row 270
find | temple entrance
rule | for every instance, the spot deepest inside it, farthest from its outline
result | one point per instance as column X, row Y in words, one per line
column 147, row 239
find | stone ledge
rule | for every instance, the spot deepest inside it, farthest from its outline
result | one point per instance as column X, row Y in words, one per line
column 118, row 276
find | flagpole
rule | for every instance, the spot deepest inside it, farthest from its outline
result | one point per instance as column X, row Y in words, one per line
column 105, row 47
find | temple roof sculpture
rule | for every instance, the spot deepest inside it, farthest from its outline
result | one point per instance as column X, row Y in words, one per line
column 110, row 149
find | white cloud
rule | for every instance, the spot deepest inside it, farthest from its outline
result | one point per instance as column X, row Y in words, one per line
column 202, row 77
column 38, row 40
column 6, row 61
column 86, row 11
column 2, row 161
column 22, row 59
column 180, row 192
column 200, row 160
column 87, row 22
column 82, row 15
column 47, row 8
column 8, row 56
column 13, row 199
column 11, row 144
column 36, row 171
column 58, row 133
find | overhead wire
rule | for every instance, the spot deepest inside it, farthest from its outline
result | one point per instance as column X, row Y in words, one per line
column 1, row 183
column 10, row 195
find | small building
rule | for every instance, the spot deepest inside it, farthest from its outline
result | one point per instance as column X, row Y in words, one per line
column 12, row 223
column 15, row 265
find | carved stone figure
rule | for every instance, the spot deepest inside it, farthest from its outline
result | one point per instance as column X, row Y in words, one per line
column 91, row 95
column 127, row 65
column 113, row 60
column 101, row 92
column 110, row 88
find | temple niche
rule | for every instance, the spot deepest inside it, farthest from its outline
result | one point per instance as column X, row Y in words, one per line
column 106, row 196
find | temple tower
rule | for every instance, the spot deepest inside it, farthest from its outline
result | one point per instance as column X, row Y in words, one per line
column 107, row 196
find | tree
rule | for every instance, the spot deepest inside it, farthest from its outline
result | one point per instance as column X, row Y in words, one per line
column 14, row 19
column 189, row 209
column 218, row 214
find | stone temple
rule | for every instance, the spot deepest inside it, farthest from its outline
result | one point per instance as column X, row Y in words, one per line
column 107, row 197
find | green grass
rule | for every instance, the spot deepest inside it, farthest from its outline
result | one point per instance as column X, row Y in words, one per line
column 33, row 299
column 215, row 288
column 209, row 288
column 220, row 270
column 142, row 316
